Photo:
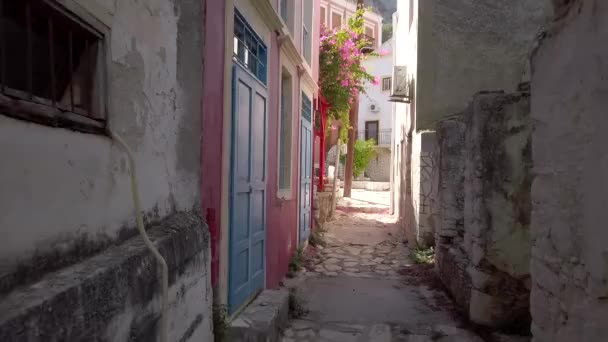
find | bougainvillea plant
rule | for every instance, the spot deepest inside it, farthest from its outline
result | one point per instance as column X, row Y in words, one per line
column 341, row 73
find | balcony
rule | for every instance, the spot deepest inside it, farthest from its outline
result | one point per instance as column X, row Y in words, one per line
column 370, row 44
column 381, row 137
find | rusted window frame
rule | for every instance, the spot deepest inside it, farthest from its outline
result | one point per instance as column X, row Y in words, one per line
column 26, row 106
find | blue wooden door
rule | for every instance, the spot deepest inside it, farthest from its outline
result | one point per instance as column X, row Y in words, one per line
column 305, row 168
column 248, row 189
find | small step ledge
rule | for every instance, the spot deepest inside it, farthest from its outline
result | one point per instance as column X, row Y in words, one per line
column 263, row 319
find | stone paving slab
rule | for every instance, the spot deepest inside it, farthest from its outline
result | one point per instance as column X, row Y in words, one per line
column 354, row 291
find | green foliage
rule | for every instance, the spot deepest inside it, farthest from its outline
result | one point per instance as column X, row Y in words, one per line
column 221, row 324
column 424, row 256
column 387, row 32
column 340, row 71
column 364, row 151
column 296, row 263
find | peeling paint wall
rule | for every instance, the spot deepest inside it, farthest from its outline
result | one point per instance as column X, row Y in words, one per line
column 66, row 195
column 569, row 267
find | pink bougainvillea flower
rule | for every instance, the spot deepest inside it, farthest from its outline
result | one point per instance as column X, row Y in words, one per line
column 376, row 80
column 383, row 52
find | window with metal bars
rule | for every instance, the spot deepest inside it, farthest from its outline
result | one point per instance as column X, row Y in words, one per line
column 386, row 83
column 249, row 50
column 50, row 66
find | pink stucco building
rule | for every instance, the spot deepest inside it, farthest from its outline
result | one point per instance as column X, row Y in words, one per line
column 257, row 140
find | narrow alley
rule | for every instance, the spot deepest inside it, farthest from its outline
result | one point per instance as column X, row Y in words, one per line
column 303, row 170
column 364, row 286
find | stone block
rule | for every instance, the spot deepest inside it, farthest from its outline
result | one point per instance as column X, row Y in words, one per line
column 115, row 295
column 263, row 319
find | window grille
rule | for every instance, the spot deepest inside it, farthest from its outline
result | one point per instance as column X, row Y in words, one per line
column 50, row 66
column 386, row 84
column 306, row 107
column 249, row 50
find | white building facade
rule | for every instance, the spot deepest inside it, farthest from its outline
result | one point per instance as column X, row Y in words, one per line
column 375, row 119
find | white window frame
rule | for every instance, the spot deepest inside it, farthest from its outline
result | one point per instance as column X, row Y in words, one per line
column 331, row 24
column 285, row 193
column 326, row 21
column 372, row 27
column 308, row 30
column 290, row 15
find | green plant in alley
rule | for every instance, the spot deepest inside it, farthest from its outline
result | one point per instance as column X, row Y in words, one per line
column 317, row 237
column 364, row 151
column 423, row 255
column 296, row 263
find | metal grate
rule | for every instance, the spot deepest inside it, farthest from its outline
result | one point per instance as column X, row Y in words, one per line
column 306, row 108
column 386, row 83
column 48, row 58
column 249, row 50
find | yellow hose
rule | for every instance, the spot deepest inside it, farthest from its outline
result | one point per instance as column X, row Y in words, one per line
column 144, row 235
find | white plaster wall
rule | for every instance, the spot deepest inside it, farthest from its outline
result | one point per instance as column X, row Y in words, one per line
column 405, row 40
column 61, row 187
column 569, row 299
column 467, row 46
column 381, row 66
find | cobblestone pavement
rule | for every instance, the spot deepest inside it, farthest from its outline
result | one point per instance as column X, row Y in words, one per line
column 355, row 289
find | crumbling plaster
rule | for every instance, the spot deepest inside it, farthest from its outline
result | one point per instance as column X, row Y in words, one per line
column 60, row 186
column 569, row 299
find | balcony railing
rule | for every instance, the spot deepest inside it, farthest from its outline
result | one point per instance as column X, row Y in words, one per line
column 381, row 137
column 370, row 44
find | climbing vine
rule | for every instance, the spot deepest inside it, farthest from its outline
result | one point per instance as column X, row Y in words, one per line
column 341, row 74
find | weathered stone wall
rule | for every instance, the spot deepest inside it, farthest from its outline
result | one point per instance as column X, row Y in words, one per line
column 72, row 267
column 66, row 195
column 451, row 258
column 482, row 208
column 569, row 299
column 115, row 295
column 497, row 207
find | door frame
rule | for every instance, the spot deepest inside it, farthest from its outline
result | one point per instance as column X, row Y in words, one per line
column 377, row 122
column 300, row 168
column 237, row 66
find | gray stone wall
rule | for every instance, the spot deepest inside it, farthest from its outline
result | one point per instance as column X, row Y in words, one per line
column 497, row 207
column 482, row 209
column 72, row 267
column 451, row 258
column 569, row 299
column 66, row 195
column 115, row 295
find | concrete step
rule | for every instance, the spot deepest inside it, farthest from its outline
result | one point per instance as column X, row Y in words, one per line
column 263, row 319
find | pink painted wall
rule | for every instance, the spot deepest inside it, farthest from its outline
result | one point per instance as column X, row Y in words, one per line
column 212, row 126
column 281, row 215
